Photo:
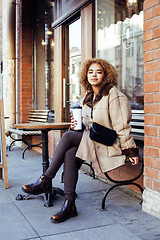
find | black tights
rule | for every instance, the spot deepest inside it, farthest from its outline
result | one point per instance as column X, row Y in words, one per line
column 65, row 153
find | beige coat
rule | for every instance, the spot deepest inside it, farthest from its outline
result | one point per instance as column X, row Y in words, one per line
column 112, row 111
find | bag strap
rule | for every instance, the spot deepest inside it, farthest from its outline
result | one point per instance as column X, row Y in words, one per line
column 92, row 95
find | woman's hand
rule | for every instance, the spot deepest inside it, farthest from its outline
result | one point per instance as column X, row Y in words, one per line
column 134, row 160
column 73, row 123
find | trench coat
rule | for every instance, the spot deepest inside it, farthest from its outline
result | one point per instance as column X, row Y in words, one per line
column 112, row 111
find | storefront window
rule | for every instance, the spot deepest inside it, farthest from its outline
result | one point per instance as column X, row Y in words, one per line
column 120, row 41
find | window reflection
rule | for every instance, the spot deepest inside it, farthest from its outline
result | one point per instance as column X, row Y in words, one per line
column 75, row 60
column 120, row 41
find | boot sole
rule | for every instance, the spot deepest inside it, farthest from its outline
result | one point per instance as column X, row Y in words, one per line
column 37, row 193
column 63, row 219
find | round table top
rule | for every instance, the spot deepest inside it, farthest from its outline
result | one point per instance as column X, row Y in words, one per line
column 42, row 126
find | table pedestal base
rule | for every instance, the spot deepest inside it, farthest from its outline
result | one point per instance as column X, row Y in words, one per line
column 48, row 197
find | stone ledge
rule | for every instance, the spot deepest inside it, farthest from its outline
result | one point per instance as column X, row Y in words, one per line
column 151, row 200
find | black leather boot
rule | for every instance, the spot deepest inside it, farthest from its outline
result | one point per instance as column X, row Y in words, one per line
column 68, row 210
column 42, row 185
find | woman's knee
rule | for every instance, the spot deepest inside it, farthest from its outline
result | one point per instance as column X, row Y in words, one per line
column 67, row 134
column 70, row 154
column 72, row 137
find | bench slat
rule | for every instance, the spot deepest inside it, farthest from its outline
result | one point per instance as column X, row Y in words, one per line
column 137, row 124
column 38, row 116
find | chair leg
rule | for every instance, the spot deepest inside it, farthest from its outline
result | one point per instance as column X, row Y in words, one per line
column 90, row 165
column 29, row 148
column 117, row 185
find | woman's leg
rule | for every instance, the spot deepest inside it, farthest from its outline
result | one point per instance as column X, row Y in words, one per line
column 43, row 184
column 71, row 166
column 69, row 139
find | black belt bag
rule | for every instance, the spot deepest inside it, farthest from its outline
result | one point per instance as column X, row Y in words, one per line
column 101, row 134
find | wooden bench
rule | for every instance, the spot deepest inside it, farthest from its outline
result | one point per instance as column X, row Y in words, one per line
column 137, row 124
column 137, row 131
column 33, row 116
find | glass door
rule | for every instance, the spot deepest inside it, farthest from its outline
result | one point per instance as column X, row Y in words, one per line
column 71, row 85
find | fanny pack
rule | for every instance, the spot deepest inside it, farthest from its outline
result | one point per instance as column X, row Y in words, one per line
column 101, row 134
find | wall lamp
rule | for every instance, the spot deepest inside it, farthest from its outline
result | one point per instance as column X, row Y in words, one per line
column 131, row 5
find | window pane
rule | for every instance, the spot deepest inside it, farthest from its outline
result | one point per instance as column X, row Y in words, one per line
column 120, row 41
column 75, row 60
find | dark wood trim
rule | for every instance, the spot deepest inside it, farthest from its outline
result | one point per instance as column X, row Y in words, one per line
column 71, row 14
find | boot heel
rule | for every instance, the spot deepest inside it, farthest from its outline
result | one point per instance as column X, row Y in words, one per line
column 68, row 211
column 74, row 214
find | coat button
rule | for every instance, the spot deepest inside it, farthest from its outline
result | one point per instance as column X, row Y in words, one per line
column 98, row 147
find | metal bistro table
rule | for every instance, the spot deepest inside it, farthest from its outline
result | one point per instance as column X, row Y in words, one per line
column 45, row 128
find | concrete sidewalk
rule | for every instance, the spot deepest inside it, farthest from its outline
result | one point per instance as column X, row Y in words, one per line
column 29, row 219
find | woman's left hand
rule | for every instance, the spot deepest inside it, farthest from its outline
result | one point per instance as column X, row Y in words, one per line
column 134, row 160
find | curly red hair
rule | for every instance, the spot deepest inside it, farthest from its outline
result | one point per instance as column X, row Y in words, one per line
column 110, row 73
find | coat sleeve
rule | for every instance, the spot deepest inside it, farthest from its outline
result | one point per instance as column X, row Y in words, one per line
column 120, row 116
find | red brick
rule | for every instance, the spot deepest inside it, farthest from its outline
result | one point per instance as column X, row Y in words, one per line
column 157, row 54
column 157, row 142
column 157, row 33
column 156, row 185
column 150, row 66
column 148, row 35
column 148, row 141
column 148, row 182
column 151, row 87
column 156, row 164
column 152, row 173
column 148, row 162
column 157, row 76
column 153, row 109
column 148, row 98
column 151, row 45
column 148, row 77
column 148, row 14
column 151, row 131
column 156, row 11
column 149, row 119
column 150, row 24
column 157, row 120
column 150, row 3
column 157, row 97
column 148, row 56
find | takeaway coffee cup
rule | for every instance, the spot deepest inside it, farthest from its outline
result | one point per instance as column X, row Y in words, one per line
column 77, row 114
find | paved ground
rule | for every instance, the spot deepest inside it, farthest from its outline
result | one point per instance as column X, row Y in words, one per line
column 29, row 219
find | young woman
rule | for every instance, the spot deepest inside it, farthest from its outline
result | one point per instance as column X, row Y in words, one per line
column 111, row 109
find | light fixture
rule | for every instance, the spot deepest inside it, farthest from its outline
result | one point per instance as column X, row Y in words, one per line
column 131, row 5
column 52, row 42
column 49, row 32
column 43, row 42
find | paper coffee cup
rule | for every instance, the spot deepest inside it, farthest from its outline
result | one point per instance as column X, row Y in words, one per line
column 77, row 114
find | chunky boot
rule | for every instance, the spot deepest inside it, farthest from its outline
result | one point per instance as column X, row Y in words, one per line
column 42, row 185
column 68, row 210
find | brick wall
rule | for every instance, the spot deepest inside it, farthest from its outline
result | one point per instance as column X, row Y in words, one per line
column 25, row 56
column 152, row 94
column 151, row 195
